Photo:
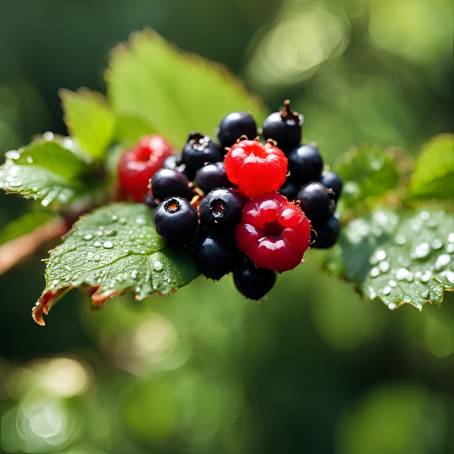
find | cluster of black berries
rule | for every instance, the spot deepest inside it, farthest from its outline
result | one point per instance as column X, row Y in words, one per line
column 197, row 207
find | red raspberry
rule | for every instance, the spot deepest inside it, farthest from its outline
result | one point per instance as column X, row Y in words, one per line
column 274, row 233
column 137, row 166
column 255, row 168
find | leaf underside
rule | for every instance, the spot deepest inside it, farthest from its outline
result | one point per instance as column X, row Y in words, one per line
column 114, row 249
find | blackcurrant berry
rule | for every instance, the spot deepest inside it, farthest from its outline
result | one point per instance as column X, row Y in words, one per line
column 221, row 209
column 215, row 255
column 173, row 162
column 211, row 176
column 235, row 125
column 285, row 127
column 199, row 150
column 305, row 163
column 333, row 182
column 254, row 283
column 151, row 201
column 316, row 203
column 327, row 234
column 176, row 220
column 168, row 183
column 290, row 190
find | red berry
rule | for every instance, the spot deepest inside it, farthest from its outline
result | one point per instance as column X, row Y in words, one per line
column 274, row 233
column 137, row 166
column 255, row 168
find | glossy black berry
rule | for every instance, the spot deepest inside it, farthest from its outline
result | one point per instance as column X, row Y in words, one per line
column 173, row 162
column 326, row 235
column 234, row 125
column 151, row 201
column 285, row 127
column 176, row 220
column 289, row 189
column 221, row 209
column 316, row 203
column 305, row 163
column 170, row 183
column 215, row 255
column 333, row 182
column 199, row 150
column 211, row 176
column 254, row 283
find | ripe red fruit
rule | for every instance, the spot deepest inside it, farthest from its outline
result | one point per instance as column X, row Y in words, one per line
column 255, row 168
column 137, row 166
column 274, row 233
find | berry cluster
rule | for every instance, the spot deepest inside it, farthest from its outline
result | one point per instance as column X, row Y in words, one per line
column 239, row 205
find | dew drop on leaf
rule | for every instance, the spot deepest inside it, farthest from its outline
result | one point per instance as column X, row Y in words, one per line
column 442, row 261
column 108, row 245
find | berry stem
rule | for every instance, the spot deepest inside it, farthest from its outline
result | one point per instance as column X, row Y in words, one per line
column 287, row 112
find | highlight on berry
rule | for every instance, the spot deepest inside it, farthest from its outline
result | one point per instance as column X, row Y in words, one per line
column 250, row 202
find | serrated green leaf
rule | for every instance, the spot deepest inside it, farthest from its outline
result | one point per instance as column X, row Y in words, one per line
column 400, row 257
column 44, row 170
column 114, row 249
column 24, row 224
column 89, row 120
column 175, row 92
column 433, row 175
column 368, row 173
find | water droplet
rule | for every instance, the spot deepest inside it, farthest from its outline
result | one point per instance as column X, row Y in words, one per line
column 123, row 221
column 436, row 244
column 111, row 232
column 29, row 160
column 402, row 274
column 392, row 283
column 425, row 277
column 100, row 232
column 400, row 240
column 450, row 248
column 108, row 245
column 392, row 306
column 88, row 237
column 387, row 290
column 374, row 272
column 114, row 218
column 157, row 265
column 425, row 293
column 424, row 215
column 450, row 277
column 442, row 261
column 406, row 299
column 12, row 154
column 451, row 238
column 421, row 251
column 384, row 266
column 97, row 244
column 90, row 256
column 141, row 220
column 371, row 292
column 134, row 274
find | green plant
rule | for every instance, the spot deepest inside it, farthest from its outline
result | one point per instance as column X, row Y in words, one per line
column 398, row 228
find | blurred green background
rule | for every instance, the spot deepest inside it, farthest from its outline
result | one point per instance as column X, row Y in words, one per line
column 313, row 369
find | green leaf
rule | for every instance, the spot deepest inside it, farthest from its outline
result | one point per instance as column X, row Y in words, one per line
column 24, row 224
column 368, row 173
column 400, row 257
column 175, row 92
column 129, row 129
column 433, row 175
column 44, row 170
column 89, row 120
column 114, row 249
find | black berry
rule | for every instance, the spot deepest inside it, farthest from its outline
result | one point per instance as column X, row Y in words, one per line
column 333, row 182
column 327, row 234
column 316, row 203
column 151, row 201
column 285, row 127
column 215, row 255
column 211, row 176
column 289, row 189
column 173, row 162
column 254, row 283
column 199, row 150
column 176, row 220
column 305, row 163
column 235, row 125
column 168, row 183
column 221, row 209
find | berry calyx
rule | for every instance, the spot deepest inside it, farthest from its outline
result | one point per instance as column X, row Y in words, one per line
column 333, row 182
column 252, row 282
column 316, row 202
column 211, row 176
column 274, row 233
column 137, row 166
column 221, row 209
column 284, row 127
column 305, row 163
column 234, row 125
column 326, row 235
column 197, row 151
column 176, row 220
column 215, row 255
column 255, row 168
column 168, row 183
